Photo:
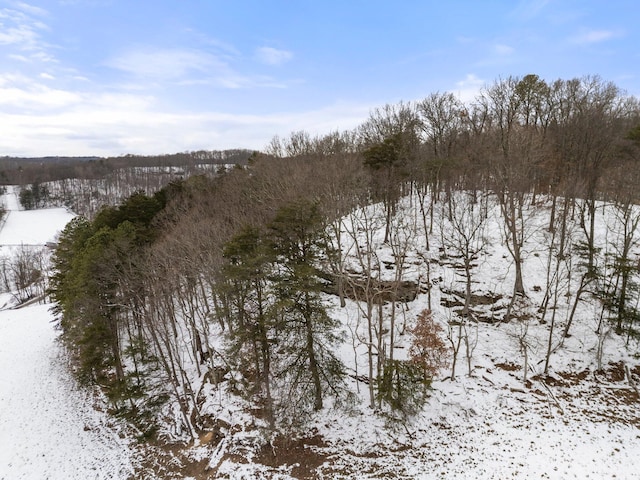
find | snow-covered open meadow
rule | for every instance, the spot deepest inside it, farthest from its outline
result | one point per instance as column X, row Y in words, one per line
column 48, row 426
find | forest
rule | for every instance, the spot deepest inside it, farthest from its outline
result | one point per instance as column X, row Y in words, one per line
column 227, row 284
column 22, row 171
column 84, row 185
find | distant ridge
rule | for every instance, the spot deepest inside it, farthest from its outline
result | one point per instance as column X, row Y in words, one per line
column 27, row 170
column 50, row 158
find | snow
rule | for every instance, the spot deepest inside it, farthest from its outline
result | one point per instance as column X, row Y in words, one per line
column 490, row 424
column 30, row 227
column 49, row 428
column 487, row 425
column 483, row 429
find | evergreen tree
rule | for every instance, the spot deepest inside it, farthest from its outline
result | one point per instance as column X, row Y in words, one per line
column 387, row 160
column 404, row 384
column 93, row 285
column 307, row 333
column 247, row 286
column 35, row 196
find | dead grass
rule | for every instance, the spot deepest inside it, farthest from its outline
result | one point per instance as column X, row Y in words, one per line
column 304, row 455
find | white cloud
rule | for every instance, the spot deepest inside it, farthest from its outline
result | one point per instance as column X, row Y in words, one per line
column 164, row 63
column 503, row 50
column 43, row 57
column 17, row 91
column 273, row 56
column 19, row 28
column 42, row 121
column 588, row 37
column 19, row 58
column 187, row 67
column 31, row 9
column 494, row 55
column 469, row 88
column 21, row 35
column 529, row 9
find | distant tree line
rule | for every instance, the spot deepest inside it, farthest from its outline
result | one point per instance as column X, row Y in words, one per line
column 84, row 185
column 24, row 171
column 214, row 281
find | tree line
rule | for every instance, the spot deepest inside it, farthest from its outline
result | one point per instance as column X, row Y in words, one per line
column 84, row 187
column 25, row 171
column 223, row 281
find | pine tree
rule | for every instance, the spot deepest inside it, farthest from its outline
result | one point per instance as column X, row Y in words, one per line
column 307, row 333
column 251, row 338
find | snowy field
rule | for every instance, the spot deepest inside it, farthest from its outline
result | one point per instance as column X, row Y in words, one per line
column 30, row 227
column 48, row 428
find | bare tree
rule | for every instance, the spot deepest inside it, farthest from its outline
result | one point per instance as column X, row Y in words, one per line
column 560, row 239
column 390, row 145
column 465, row 240
column 517, row 121
column 363, row 227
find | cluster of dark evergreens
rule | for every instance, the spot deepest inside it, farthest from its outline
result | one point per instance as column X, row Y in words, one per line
column 222, row 278
column 34, row 196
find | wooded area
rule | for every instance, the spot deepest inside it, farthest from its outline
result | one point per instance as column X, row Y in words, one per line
column 223, row 279
column 86, row 184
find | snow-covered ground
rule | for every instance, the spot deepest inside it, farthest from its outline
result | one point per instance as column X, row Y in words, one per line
column 493, row 424
column 48, row 427
column 29, row 227
column 574, row 424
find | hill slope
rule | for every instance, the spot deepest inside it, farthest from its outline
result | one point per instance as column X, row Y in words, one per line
column 48, row 426
column 502, row 416
column 487, row 423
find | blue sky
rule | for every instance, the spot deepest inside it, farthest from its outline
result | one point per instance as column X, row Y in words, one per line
column 111, row 77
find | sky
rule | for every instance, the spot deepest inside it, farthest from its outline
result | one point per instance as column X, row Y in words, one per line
column 116, row 77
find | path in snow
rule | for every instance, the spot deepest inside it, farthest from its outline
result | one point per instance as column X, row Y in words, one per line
column 48, row 428
column 10, row 199
column 29, row 227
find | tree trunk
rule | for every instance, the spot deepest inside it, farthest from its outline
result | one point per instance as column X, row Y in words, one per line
column 313, row 364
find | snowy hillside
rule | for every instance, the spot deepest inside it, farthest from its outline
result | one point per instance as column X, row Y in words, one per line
column 488, row 423
column 500, row 416
column 48, row 427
